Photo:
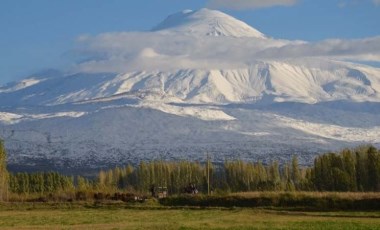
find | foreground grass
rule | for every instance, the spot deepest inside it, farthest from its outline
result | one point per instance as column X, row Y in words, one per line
column 82, row 216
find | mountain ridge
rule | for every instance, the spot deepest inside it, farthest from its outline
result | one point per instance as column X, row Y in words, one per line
column 265, row 108
column 284, row 81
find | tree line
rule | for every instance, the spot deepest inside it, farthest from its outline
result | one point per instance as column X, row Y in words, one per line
column 348, row 170
column 39, row 183
column 354, row 170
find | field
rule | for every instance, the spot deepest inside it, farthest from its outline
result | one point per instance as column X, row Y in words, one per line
column 120, row 216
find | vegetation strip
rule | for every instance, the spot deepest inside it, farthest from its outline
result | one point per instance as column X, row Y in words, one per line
column 289, row 186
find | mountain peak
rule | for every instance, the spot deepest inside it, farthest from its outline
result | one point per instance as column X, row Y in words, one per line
column 206, row 22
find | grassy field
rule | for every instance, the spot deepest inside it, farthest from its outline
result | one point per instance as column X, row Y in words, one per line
column 120, row 216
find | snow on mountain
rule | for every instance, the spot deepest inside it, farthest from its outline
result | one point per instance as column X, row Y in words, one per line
column 207, row 23
column 19, row 85
column 268, row 82
column 253, row 107
column 9, row 118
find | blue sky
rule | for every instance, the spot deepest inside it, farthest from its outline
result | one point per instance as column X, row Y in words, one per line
column 39, row 34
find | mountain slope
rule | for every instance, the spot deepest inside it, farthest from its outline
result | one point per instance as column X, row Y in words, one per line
column 244, row 106
column 267, row 82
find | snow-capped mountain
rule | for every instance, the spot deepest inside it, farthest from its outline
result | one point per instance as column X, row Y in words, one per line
column 206, row 22
column 200, row 81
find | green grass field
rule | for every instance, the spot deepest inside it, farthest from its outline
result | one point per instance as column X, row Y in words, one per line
column 42, row 216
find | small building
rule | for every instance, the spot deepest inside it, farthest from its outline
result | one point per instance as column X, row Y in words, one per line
column 159, row 192
column 162, row 192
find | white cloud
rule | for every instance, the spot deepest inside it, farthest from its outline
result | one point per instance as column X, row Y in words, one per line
column 367, row 49
column 346, row 3
column 119, row 52
column 124, row 52
column 249, row 4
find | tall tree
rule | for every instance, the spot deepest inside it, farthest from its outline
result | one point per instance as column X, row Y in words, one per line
column 373, row 168
column 295, row 175
column 362, row 170
column 275, row 179
column 3, row 172
column 349, row 166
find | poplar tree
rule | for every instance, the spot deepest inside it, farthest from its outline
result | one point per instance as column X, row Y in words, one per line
column 295, row 172
column 83, row 184
column 274, row 173
column 362, row 170
column 3, row 172
column 349, row 166
column 373, row 169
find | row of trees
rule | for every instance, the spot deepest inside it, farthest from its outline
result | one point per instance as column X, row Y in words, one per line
column 348, row 170
column 246, row 176
column 44, row 182
column 173, row 175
